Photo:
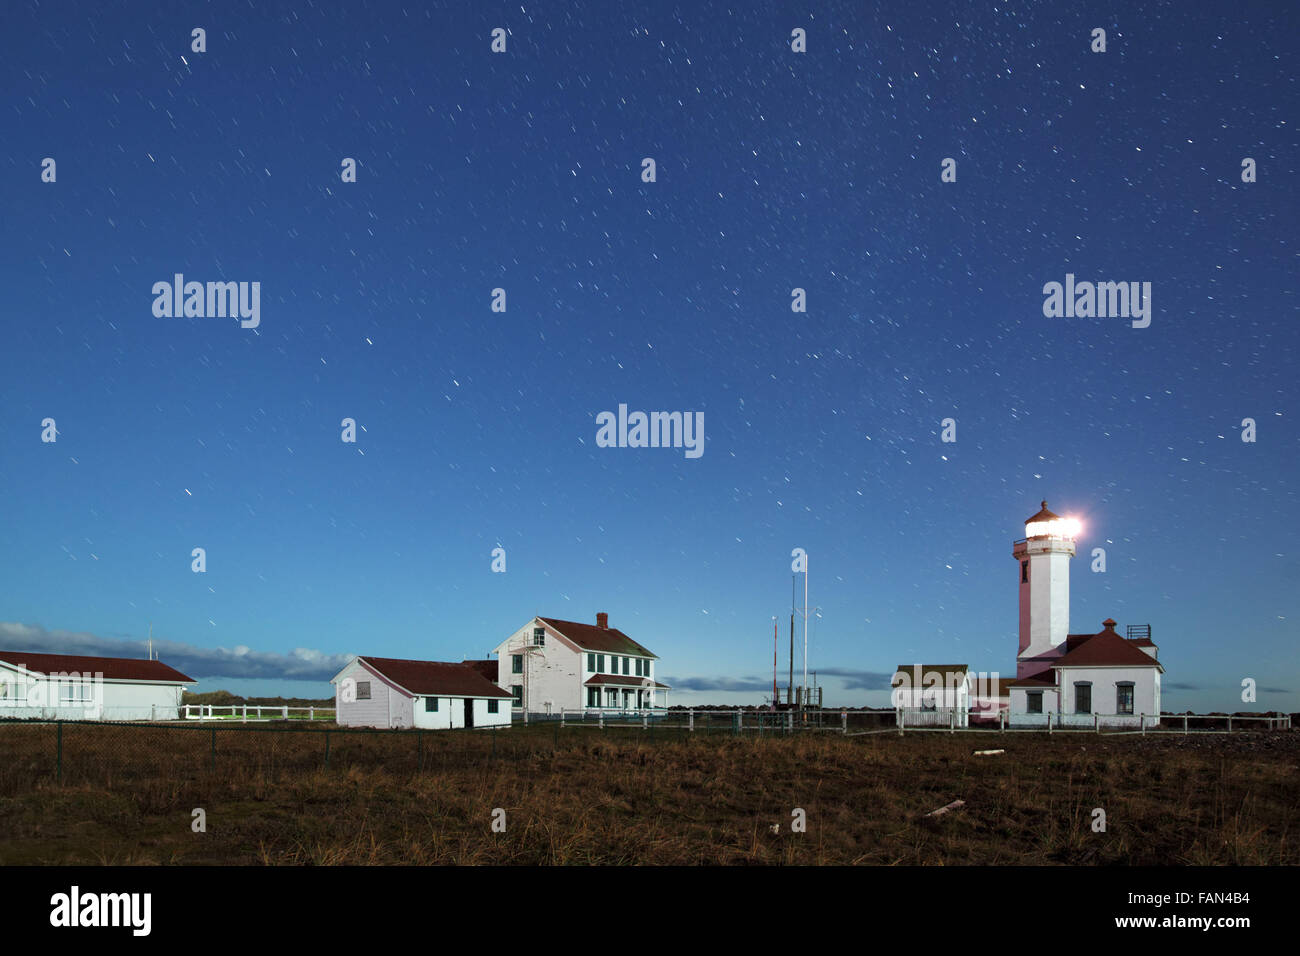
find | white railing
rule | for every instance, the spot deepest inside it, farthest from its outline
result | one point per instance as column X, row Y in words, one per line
column 953, row 719
column 246, row 712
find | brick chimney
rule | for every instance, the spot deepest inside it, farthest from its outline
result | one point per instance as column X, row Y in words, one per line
column 602, row 620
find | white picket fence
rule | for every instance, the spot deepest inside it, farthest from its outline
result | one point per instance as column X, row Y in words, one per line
column 956, row 719
column 246, row 712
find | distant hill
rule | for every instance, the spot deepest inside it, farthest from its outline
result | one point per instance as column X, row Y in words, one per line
column 224, row 698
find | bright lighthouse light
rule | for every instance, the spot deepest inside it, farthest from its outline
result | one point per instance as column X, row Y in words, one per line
column 1058, row 528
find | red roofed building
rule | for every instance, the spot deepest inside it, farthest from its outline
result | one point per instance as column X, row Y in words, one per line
column 548, row 665
column 428, row 695
column 1073, row 679
column 75, row 687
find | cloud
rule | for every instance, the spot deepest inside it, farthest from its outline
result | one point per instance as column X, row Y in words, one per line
column 301, row 663
column 853, row 680
column 746, row 684
column 859, row 680
column 1179, row 685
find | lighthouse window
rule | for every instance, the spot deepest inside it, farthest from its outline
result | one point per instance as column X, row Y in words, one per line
column 1083, row 698
column 1124, row 698
column 1024, row 572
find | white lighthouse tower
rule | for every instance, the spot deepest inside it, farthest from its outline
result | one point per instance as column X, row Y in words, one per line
column 1044, row 557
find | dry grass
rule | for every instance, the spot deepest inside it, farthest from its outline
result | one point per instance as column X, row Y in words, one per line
column 615, row 797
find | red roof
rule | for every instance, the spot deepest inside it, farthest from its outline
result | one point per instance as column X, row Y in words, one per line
column 434, row 678
column 111, row 668
column 625, row 681
column 1043, row 515
column 1041, row 679
column 1106, row 649
column 602, row 640
column 487, row 668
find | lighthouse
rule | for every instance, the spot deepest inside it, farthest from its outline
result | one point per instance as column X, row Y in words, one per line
column 1043, row 556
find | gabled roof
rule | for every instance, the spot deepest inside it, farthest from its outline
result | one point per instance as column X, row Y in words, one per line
column 433, row 678
column 1107, row 649
column 602, row 640
column 487, row 668
column 624, row 681
column 112, row 668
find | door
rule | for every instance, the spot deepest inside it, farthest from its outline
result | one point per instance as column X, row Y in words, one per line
column 469, row 712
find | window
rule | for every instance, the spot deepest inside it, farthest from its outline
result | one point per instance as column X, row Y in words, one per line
column 593, row 697
column 76, row 693
column 627, row 665
column 1024, row 572
column 640, row 667
column 591, row 663
column 611, row 698
column 516, row 663
column 600, row 660
column 1034, row 702
column 1083, row 697
column 492, row 706
column 430, row 705
column 363, row 690
column 1124, row 697
column 539, row 637
column 517, row 692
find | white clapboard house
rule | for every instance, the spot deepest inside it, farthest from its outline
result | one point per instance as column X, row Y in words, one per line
column 932, row 694
column 75, row 687
column 548, row 665
column 428, row 695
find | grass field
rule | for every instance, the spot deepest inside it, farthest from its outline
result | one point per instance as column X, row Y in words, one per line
column 586, row 796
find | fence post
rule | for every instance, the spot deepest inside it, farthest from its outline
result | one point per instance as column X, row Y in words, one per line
column 561, row 716
column 1096, row 723
column 245, row 720
column 691, row 718
column 844, row 721
column 59, row 761
column 740, row 721
column 1184, row 723
column 952, row 721
column 1049, row 723
column 600, row 717
column 311, row 712
column 153, row 708
column 898, row 720
column 1229, row 723
column 286, row 711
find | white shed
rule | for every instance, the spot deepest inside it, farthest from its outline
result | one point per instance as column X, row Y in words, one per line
column 432, row 695
column 73, row 687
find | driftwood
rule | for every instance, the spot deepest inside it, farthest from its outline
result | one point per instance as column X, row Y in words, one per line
column 955, row 805
column 988, row 753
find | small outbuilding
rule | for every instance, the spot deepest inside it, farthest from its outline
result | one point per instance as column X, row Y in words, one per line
column 431, row 695
column 75, row 687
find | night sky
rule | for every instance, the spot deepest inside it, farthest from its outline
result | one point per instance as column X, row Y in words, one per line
column 476, row 429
